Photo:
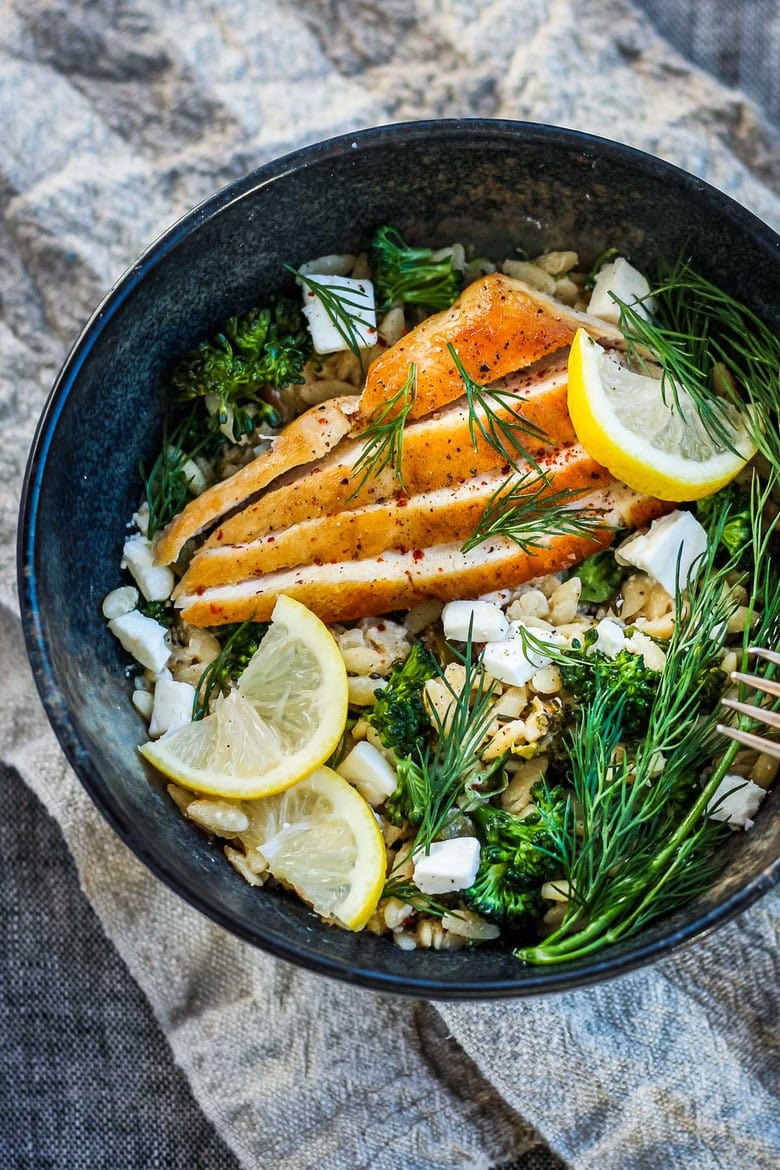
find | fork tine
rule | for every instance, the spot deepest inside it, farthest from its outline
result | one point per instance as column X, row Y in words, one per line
column 769, row 686
column 761, row 652
column 771, row 718
column 758, row 742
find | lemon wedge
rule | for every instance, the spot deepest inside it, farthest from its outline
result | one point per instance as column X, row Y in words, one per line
column 284, row 719
column 321, row 839
column 622, row 421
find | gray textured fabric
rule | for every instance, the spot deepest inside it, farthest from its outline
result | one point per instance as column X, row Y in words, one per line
column 116, row 118
column 86, row 1078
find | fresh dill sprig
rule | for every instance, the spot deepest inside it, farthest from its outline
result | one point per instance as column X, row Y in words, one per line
column 384, row 436
column 240, row 644
column 642, row 843
column 488, row 408
column 406, row 891
column 524, row 510
column 341, row 307
column 717, row 350
column 166, row 487
column 449, row 773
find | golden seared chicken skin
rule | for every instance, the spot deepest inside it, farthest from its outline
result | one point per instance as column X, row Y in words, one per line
column 304, row 519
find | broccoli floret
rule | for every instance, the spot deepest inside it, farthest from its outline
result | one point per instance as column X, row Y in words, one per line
column 264, row 347
column 515, row 860
column 736, row 532
column 588, row 672
column 404, row 275
column 158, row 611
column 601, row 576
column 399, row 714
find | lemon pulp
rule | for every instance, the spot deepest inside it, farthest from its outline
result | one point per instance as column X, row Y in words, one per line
column 321, row 839
column 282, row 721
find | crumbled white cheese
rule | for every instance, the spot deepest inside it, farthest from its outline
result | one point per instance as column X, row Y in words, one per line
column 656, row 552
column 611, row 638
column 367, row 769
column 155, row 581
column 484, row 620
column 357, row 296
column 172, row 705
column 735, row 801
column 142, row 637
column 627, row 283
column 510, row 661
column 449, row 865
column 141, row 518
column 119, row 601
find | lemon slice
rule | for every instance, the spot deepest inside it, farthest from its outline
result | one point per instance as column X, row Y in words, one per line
column 286, row 716
column 321, row 838
column 623, row 422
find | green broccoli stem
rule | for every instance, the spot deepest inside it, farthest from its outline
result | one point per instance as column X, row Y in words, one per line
column 563, row 945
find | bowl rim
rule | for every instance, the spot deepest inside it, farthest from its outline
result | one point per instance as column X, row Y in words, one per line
column 535, row 980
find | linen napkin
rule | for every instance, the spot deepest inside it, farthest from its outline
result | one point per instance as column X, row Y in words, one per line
column 115, row 121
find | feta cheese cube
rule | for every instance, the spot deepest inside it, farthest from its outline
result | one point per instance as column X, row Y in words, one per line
column 142, row 637
column 367, row 769
column 486, row 621
column 172, row 705
column 119, row 601
column 510, row 662
column 625, row 281
column 449, row 865
column 155, row 581
column 735, row 801
column 357, row 296
column 611, row 639
column 679, row 534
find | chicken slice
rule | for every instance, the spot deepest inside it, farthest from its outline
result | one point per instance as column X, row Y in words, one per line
column 400, row 580
column 442, row 516
column 437, row 451
column 309, row 437
column 497, row 325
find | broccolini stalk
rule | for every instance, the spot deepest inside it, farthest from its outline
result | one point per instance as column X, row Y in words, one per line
column 600, row 575
column 643, row 844
column 411, row 276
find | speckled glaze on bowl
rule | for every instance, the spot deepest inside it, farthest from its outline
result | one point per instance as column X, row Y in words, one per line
column 497, row 184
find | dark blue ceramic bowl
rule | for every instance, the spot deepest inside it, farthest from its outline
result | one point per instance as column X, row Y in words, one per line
column 495, row 183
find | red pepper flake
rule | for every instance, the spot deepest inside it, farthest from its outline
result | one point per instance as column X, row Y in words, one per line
column 200, row 590
column 401, row 500
column 418, row 554
column 317, row 560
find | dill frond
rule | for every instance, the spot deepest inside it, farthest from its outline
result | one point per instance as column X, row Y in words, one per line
column 524, row 510
column 488, row 407
column 715, row 349
column 384, row 436
column 340, row 307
